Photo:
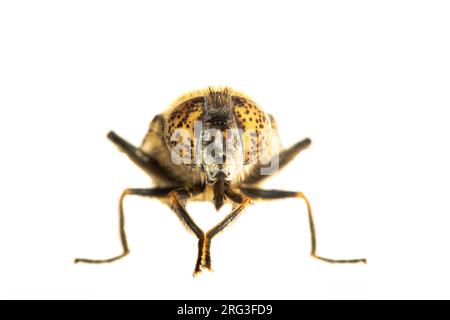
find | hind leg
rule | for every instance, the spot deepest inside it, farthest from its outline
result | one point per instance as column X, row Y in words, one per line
column 143, row 160
column 283, row 158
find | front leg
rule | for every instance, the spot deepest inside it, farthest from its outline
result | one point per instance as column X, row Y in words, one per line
column 242, row 201
column 177, row 201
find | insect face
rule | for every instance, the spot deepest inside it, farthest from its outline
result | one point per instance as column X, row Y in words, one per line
column 205, row 133
column 219, row 142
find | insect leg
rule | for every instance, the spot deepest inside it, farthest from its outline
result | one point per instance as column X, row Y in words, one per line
column 259, row 194
column 284, row 158
column 177, row 201
column 140, row 158
column 242, row 201
column 157, row 192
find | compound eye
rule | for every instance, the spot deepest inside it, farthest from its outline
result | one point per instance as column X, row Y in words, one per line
column 179, row 130
column 256, row 130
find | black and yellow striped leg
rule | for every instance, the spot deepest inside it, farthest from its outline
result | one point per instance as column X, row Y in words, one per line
column 280, row 194
column 156, row 192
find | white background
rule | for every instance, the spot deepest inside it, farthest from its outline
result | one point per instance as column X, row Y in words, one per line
column 367, row 81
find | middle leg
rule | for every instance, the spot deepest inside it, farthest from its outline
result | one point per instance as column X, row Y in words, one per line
column 280, row 194
column 154, row 192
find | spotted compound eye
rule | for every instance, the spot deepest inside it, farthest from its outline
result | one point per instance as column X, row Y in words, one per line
column 179, row 129
column 256, row 130
column 182, row 121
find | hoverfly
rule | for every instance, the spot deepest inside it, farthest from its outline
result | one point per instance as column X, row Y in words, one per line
column 217, row 145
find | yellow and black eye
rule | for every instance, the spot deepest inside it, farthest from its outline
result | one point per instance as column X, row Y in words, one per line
column 256, row 129
column 180, row 124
